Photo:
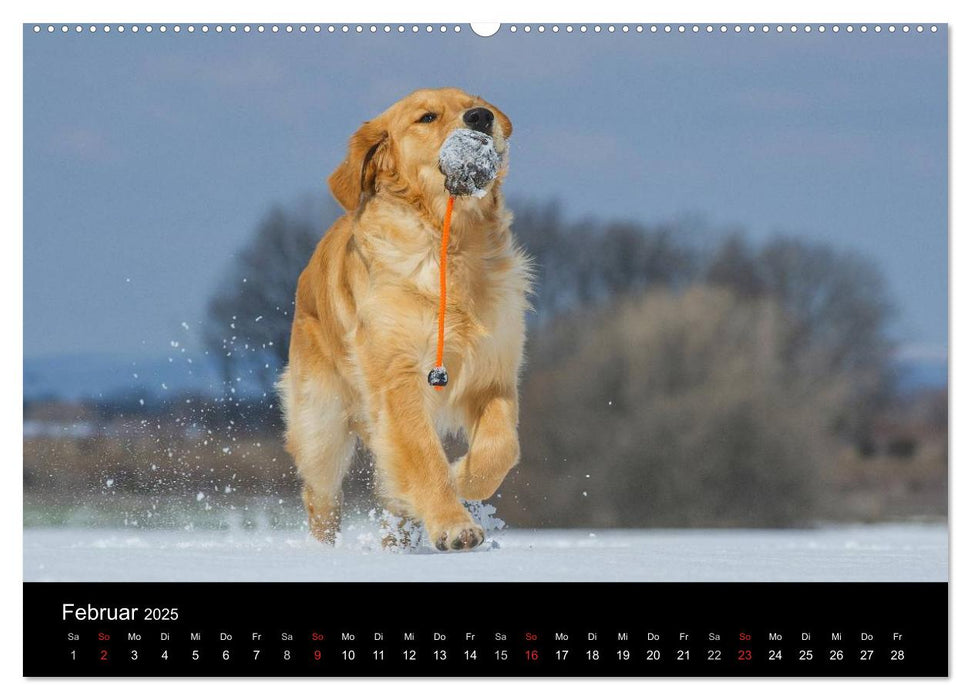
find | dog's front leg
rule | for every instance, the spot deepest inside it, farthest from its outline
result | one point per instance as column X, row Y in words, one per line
column 413, row 466
column 493, row 446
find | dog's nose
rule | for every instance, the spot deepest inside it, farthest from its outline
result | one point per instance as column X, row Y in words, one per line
column 480, row 119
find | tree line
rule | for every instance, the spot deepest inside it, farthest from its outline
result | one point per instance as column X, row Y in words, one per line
column 673, row 376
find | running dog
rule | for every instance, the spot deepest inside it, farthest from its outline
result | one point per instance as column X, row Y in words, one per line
column 364, row 328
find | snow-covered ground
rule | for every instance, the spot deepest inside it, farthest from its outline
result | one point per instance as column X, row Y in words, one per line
column 913, row 552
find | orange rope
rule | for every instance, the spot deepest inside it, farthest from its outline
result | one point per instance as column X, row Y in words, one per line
column 443, row 263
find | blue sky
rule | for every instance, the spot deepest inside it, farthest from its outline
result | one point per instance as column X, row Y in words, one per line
column 149, row 159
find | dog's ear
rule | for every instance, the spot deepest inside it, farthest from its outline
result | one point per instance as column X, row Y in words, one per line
column 367, row 153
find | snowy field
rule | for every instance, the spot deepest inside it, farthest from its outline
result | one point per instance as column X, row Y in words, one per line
column 912, row 552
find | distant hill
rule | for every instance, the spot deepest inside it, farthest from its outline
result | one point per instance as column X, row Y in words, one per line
column 77, row 377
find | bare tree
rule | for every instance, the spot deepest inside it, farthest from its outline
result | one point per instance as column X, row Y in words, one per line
column 718, row 405
column 590, row 262
column 838, row 307
column 838, row 302
column 734, row 266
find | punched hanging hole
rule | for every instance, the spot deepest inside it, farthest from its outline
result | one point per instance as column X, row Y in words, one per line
column 485, row 28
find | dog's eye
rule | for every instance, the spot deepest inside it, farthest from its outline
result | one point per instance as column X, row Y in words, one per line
column 428, row 118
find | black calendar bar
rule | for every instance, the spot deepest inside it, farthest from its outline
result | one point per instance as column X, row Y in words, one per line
column 479, row 629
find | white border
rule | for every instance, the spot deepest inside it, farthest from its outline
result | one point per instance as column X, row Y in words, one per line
column 602, row 11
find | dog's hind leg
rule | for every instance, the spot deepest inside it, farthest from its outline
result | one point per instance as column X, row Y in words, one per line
column 323, row 513
column 323, row 456
column 321, row 444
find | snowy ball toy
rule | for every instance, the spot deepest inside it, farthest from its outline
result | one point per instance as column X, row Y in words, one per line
column 469, row 161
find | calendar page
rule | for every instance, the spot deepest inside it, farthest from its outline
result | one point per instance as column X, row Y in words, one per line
column 493, row 350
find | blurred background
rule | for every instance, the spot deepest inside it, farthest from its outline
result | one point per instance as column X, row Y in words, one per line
column 741, row 248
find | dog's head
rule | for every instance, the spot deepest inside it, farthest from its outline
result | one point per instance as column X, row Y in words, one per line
column 398, row 151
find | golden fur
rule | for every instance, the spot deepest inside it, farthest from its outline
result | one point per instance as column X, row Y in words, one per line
column 364, row 330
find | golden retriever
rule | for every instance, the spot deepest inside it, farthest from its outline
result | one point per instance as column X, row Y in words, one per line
column 365, row 327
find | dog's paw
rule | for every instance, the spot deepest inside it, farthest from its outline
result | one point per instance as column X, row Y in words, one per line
column 464, row 535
